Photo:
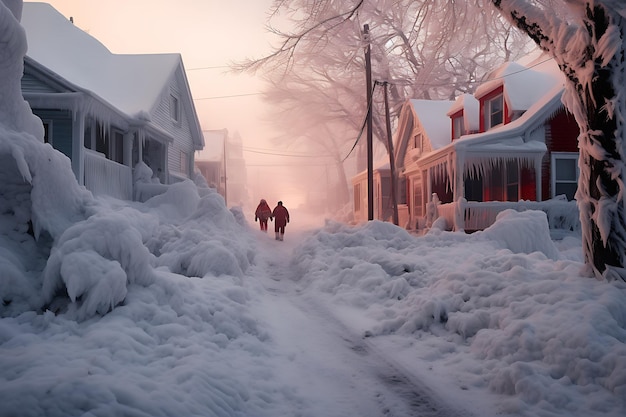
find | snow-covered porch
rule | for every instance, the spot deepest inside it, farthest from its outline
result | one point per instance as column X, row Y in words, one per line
column 473, row 184
column 470, row 216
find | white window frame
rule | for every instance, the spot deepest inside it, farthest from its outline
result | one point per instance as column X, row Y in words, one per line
column 508, row 183
column 175, row 113
column 553, row 158
column 488, row 113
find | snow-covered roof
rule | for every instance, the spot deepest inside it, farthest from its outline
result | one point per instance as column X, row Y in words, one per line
column 536, row 114
column 432, row 115
column 131, row 83
column 515, row 137
column 523, row 85
column 471, row 111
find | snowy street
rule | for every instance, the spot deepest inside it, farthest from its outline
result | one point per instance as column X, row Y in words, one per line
column 341, row 372
column 219, row 319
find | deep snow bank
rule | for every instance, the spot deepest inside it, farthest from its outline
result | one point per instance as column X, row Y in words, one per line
column 512, row 313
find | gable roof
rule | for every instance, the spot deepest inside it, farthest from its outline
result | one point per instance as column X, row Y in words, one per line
column 471, row 111
column 131, row 83
column 433, row 118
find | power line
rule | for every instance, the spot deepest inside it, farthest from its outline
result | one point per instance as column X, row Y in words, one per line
column 287, row 165
column 369, row 108
column 231, row 96
column 268, row 152
column 206, row 68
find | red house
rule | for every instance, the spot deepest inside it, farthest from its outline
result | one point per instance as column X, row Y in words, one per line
column 510, row 145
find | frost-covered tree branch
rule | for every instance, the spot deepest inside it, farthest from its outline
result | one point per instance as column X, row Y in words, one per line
column 589, row 44
column 423, row 49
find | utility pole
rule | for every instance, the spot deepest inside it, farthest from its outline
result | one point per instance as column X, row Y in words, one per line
column 392, row 162
column 370, row 150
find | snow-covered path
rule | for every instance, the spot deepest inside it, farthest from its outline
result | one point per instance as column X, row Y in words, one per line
column 333, row 369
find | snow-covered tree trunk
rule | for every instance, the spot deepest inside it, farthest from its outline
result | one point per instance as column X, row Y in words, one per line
column 590, row 45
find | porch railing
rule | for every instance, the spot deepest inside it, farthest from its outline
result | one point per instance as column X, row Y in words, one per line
column 106, row 177
column 472, row 215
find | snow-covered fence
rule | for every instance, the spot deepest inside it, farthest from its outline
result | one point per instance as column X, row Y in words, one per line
column 562, row 214
column 106, row 177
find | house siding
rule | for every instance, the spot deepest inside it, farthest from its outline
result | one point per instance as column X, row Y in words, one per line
column 561, row 136
column 180, row 131
column 381, row 204
column 564, row 128
column 32, row 84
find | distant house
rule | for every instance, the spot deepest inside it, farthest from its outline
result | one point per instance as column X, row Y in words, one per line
column 237, row 171
column 510, row 145
column 381, row 180
column 108, row 112
column 223, row 167
column 212, row 163
column 423, row 128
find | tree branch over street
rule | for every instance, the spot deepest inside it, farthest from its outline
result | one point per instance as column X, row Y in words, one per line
column 423, row 49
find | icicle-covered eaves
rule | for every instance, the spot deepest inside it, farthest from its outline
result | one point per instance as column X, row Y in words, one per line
column 477, row 166
column 444, row 171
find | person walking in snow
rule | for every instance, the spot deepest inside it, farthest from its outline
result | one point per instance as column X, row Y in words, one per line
column 281, row 218
column 262, row 214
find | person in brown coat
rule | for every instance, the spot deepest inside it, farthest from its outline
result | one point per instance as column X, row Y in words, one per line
column 281, row 218
column 262, row 214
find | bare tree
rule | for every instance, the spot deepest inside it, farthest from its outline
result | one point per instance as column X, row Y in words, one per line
column 423, row 49
column 587, row 39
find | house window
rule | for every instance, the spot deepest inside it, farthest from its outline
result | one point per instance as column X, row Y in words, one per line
column 512, row 181
column 417, row 141
column 109, row 142
column 564, row 174
column 497, row 184
column 458, row 127
column 174, row 108
column 494, row 111
column 474, row 189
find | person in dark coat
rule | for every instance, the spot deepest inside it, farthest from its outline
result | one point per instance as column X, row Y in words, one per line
column 281, row 218
column 262, row 214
